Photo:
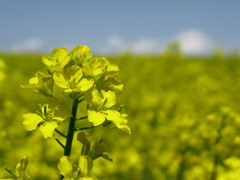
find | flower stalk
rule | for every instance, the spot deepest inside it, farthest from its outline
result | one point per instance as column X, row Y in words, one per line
column 71, row 127
column 82, row 78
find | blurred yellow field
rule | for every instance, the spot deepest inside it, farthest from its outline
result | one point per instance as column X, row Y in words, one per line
column 183, row 113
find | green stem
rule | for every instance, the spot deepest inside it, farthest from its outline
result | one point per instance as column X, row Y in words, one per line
column 71, row 127
column 84, row 128
column 10, row 172
column 59, row 142
column 60, row 133
column 82, row 118
column 79, row 101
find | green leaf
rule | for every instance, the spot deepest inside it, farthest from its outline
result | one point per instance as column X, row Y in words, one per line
column 48, row 128
column 31, row 120
column 60, row 80
column 85, row 165
column 96, row 118
column 65, row 166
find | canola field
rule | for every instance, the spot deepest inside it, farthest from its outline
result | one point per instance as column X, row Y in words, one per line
column 184, row 115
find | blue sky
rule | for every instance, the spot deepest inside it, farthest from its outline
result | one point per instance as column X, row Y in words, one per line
column 114, row 26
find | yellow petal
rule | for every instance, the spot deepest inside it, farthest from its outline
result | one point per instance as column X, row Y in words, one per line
column 98, row 66
column 97, row 71
column 78, row 75
column 118, row 87
column 112, row 69
column 58, row 118
column 60, row 80
column 85, row 84
column 33, row 80
column 96, row 118
column 82, row 51
column 65, row 166
column 60, row 53
column 84, row 165
column 31, row 120
column 68, row 91
column 48, row 61
column 97, row 100
column 65, row 61
column 109, row 97
column 118, row 120
column 48, row 128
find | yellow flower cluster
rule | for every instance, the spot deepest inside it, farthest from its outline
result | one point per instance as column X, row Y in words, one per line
column 81, row 76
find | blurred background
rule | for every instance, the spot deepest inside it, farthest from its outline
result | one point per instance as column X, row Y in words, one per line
column 179, row 63
column 115, row 27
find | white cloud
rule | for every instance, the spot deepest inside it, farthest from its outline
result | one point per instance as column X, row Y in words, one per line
column 145, row 46
column 194, row 42
column 34, row 44
column 115, row 41
column 116, row 44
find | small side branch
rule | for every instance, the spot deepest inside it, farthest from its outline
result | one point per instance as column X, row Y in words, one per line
column 60, row 133
column 84, row 128
column 82, row 118
column 59, row 142
column 10, row 171
column 80, row 100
